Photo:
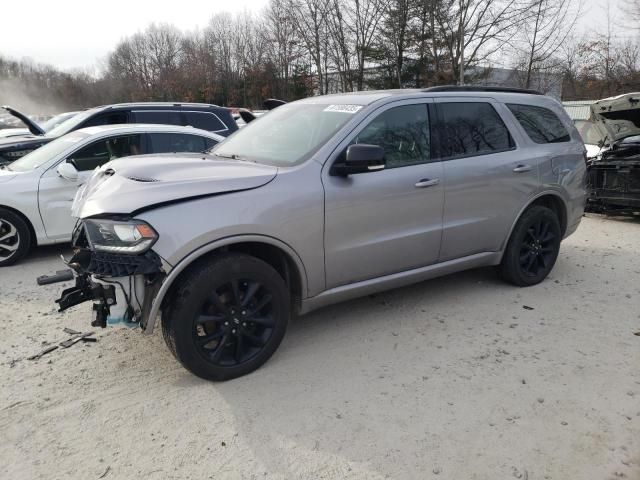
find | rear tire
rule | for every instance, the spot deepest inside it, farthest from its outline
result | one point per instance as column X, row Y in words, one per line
column 227, row 317
column 533, row 247
column 15, row 238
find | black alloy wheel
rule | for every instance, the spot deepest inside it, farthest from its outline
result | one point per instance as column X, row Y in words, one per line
column 533, row 247
column 226, row 316
column 234, row 323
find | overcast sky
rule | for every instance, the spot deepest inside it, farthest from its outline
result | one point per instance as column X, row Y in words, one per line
column 78, row 33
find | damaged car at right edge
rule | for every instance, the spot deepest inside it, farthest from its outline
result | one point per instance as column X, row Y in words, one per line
column 319, row 201
column 614, row 174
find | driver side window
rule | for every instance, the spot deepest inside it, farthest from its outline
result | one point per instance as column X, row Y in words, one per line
column 403, row 132
column 98, row 153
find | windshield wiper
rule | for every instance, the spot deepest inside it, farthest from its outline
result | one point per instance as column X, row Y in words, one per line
column 232, row 156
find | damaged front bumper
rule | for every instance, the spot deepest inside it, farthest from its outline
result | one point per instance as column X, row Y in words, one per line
column 121, row 287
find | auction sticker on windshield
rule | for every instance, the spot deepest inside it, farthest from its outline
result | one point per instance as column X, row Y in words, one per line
column 343, row 108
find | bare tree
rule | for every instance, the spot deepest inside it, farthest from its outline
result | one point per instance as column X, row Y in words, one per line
column 473, row 30
column 541, row 37
column 310, row 20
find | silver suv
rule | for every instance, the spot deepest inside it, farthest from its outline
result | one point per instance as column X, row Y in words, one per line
column 319, row 201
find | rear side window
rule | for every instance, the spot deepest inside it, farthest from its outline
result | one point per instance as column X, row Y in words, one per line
column 403, row 132
column 176, row 142
column 107, row 119
column 470, row 128
column 541, row 124
column 163, row 117
column 204, row 121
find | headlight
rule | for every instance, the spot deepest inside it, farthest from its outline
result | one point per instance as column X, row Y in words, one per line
column 113, row 236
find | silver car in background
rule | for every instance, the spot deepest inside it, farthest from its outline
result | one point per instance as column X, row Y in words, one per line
column 319, row 201
column 36, row 191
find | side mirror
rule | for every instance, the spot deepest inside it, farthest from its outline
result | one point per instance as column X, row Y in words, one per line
column 360, row 158
column 67, row 171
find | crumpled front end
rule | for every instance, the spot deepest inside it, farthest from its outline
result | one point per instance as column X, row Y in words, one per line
column 614, row 180
column 121, row 285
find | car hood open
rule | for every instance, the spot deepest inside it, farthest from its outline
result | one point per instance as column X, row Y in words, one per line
column 31, row 125
column 618, row 116
column 135, row 184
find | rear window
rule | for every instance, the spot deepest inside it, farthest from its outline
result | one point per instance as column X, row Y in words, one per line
column 204, row 121
column 541, row 124
column 470, row 128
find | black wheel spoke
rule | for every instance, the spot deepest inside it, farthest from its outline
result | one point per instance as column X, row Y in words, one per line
column 239, row 348
column 209, row 318
column 530, row 262
column 264, row 301
column 548, row 237
column 205, row 339
column 235, row 290
column 252, row 289
column 216, row 354
column 264, row 321
column 254, row 340
column 217, row 301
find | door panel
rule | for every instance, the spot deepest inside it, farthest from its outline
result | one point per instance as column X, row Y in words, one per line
column 384, row 222
column 484, row 190
column 55, row 195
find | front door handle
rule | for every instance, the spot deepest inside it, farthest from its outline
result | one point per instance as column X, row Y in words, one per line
column 427, row 182
column 522, row 168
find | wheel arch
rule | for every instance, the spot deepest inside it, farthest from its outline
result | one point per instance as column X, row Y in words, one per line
column 549, row 199
column 274, row 252
column 32, row 230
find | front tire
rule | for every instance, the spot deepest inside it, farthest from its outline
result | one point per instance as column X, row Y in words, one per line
column 227, row 317
column 15, row 238
column 533, row 247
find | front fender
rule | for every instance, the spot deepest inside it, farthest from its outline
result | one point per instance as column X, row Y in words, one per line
column 210, row 247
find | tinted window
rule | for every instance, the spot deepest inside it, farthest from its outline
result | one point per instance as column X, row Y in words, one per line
column 102, row 151
column 107, row 119
column 541, row 124
column 176, row 142
column 205, row 121
column 467, row 129
column 162, row 117
column 403, row 132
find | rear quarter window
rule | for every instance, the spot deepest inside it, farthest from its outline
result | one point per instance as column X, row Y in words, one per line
column 204, row 121
column 541, row 124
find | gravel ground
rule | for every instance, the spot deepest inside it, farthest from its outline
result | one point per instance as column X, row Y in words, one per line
column 451, row 378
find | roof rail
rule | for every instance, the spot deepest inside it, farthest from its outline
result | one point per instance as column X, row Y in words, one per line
column 470, row 88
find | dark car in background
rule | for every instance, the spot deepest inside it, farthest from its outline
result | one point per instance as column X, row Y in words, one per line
column 198, row 115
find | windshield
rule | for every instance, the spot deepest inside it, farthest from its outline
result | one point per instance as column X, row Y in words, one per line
column 33, row 160
column 55, row 121
column 69, row 124
column 288, row 135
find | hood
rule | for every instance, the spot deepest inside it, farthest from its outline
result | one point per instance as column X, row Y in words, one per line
column 31, row 125
column 13, row 132
column 23, row 142
column 618, row 116
column 134, row 184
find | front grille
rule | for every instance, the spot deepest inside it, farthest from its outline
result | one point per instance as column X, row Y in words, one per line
column 114, row 265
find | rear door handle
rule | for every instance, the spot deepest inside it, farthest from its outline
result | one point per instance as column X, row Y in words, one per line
column 427, row 182
column 522, row 168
